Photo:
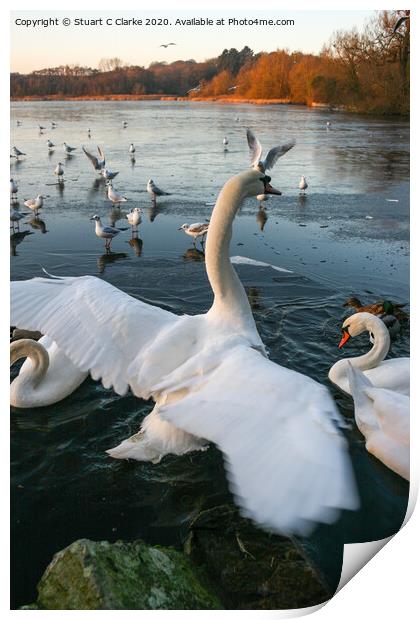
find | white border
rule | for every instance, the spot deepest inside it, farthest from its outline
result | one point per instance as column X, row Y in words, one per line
column 387, row 586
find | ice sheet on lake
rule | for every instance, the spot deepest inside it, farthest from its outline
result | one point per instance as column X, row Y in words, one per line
column 244, row 260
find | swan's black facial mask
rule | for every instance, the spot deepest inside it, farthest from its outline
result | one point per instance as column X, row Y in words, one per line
column 268, row 189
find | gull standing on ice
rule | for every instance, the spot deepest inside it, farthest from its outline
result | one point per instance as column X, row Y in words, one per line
column 114, row 196
column 199, row 229
column 13, row 189
column 68, row 149
column 59, row 171
column 134, row 218
column 154, row 190
column 35, row 203
column 17, row 153
column 132, row 149
column 303, row 185
column 15, row 217
column 50, row 144
column 104, row 232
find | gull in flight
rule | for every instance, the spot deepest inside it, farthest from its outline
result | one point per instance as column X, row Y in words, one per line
column 115, row 197
column 165, row 45
column 196, row 89
column 104, row 232
column 17, row 153
column 35, row 203
column 98, row 164
column 255, row 151
column 195, row 230
column 68, row 149
column 154, row 190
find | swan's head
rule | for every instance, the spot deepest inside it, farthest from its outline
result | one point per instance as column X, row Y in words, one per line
column 358, row 323
column 255, row 182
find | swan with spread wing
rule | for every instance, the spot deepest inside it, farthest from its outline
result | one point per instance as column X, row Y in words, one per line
column 209, row 375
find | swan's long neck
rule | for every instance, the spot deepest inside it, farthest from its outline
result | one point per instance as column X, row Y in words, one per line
column 379, row 350
column 230, row 300
column 36, row 353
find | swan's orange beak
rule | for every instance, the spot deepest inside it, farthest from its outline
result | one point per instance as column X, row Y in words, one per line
column 269, row 189
column 344, row 339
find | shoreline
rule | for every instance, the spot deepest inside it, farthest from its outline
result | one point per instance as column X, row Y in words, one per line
column 224, row 99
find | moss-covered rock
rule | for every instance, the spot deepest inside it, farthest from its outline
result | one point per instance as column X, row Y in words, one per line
column 252, row 569
column 103, row 575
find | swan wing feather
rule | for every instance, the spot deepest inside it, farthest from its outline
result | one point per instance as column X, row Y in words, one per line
column 393, row 413
column 286, row 459
column 100, row 328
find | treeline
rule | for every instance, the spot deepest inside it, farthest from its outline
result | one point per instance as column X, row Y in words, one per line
column 367, row 71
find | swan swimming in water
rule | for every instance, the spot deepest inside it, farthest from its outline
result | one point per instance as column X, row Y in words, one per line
column 392, row 374
column 383, row 417
column 47, row 375
column 209, row 375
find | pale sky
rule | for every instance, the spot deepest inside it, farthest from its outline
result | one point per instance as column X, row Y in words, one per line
column 39, row 47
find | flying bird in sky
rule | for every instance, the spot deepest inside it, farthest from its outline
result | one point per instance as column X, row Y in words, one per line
column 166, row 44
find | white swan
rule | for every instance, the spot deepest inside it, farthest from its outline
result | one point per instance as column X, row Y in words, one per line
column 286, row 460
column 383, row 417
column 392, row 374
column 47, row 375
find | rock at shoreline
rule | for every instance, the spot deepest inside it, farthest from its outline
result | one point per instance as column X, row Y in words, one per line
column 252, row 569
column 103, row 575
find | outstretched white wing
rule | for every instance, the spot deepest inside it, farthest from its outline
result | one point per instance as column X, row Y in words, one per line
column 255, row 148
column 100, row 328
column 286, row 459
column 276, row 152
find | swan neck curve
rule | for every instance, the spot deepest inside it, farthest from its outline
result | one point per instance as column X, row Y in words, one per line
column 230, row 300
column 379, row 350
column 36, row 353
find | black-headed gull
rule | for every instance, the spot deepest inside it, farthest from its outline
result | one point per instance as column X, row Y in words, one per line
column 68, row 149
column 134, row 217
column 13, row 189
column 104, row 232
column 17, row 153
column 303, row 185
column 114, row 196
column 97, row 163
column 35, row 203
column 154, row 190
column 199, row 229
column 255, row 150
column 59, row 170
